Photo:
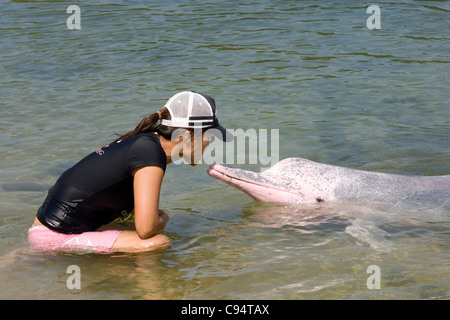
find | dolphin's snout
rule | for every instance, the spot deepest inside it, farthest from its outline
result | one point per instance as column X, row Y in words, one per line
column 215, row 170
column 252, row 184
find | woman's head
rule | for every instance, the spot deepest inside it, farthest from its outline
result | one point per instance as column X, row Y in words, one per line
column 192, row 110
column 185, row 113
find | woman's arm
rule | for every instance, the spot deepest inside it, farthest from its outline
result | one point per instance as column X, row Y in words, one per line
column 149, row 220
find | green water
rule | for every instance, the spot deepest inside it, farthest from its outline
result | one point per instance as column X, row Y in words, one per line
column 338, row 92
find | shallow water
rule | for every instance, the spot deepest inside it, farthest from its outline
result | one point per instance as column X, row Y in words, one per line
column 338, row 93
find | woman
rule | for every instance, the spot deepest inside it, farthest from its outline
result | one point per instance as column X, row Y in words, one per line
column 123, row 176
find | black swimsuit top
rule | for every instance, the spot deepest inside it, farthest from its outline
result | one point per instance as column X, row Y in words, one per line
column 99, row 188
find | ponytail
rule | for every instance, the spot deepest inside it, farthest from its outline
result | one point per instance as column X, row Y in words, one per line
column 151, row 124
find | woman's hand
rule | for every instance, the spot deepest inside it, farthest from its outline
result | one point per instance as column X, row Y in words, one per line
column 163, row 217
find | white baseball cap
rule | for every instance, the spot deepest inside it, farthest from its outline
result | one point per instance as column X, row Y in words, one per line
column 189, row 109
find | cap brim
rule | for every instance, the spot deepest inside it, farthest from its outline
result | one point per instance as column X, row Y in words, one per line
column 221, row 133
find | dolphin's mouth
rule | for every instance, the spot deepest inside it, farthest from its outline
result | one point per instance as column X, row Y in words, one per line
column 225, row 174
column 252, row 184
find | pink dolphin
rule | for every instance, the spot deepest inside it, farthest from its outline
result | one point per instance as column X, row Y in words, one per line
column 297, row 180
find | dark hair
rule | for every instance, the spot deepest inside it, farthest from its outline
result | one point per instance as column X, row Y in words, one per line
column 151, row 124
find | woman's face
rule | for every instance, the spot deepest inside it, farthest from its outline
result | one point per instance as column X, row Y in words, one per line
column 195, row 146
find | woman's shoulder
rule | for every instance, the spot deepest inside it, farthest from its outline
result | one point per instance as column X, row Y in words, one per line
column 142, row 137
column 144, row 140
column 145, row 149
